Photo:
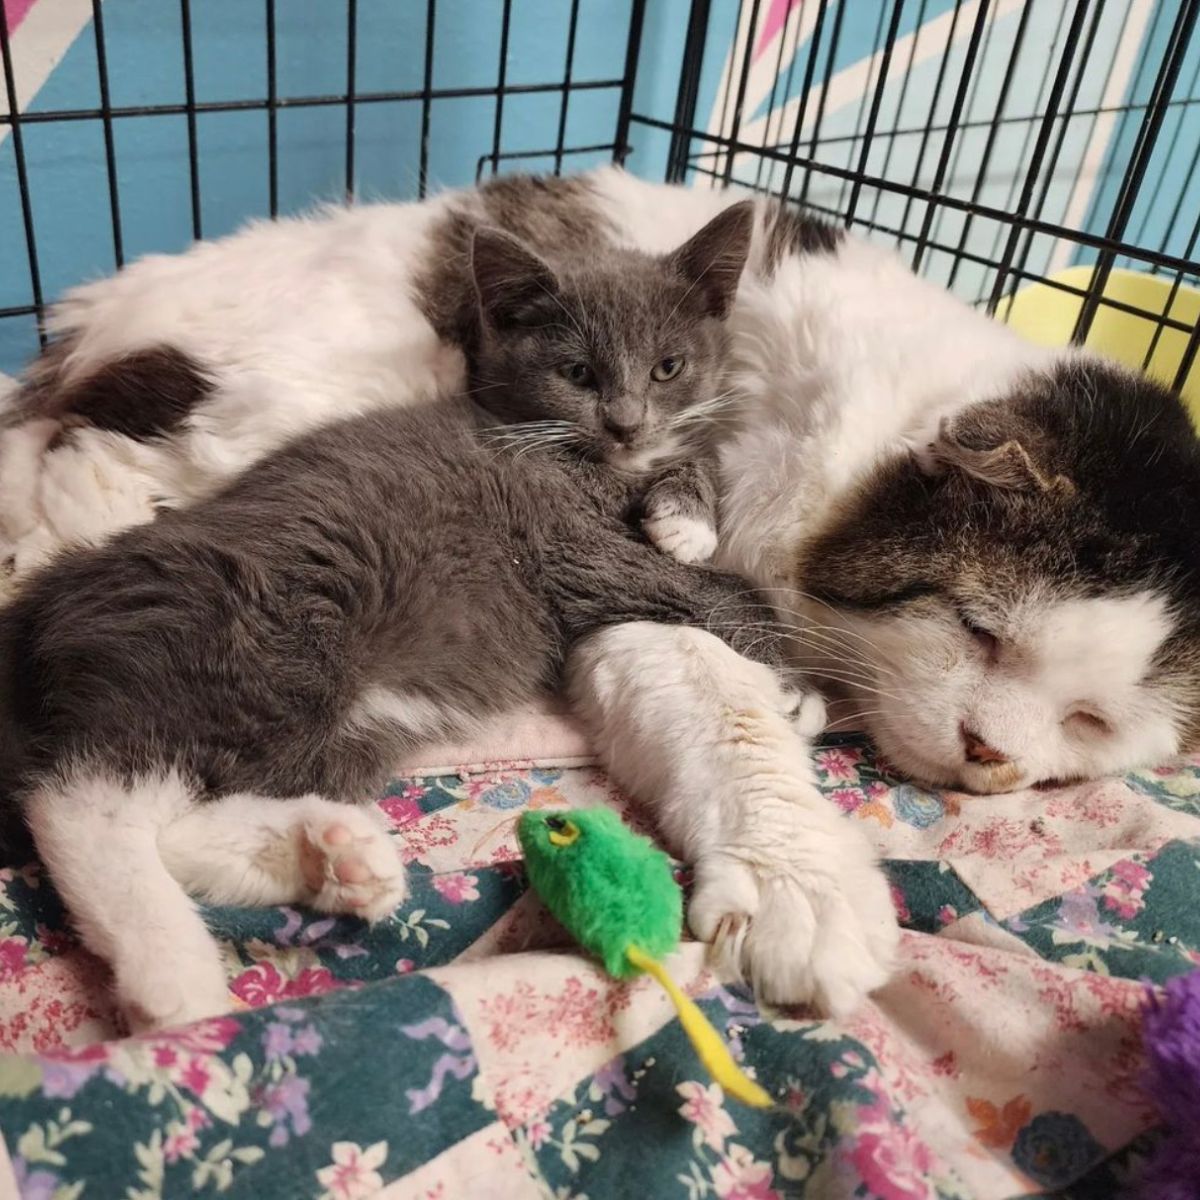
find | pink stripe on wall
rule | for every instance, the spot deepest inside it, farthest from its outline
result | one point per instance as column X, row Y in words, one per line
column 774, row 22
column 15, row 11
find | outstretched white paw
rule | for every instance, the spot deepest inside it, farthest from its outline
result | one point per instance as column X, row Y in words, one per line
column 686, row 538
column 799, row 927
column 351, row 864
column 176, row 985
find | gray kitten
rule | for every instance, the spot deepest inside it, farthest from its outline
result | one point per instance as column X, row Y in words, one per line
column 614, row 357
column 371, row 586
column 412, row 552
column 270, row 639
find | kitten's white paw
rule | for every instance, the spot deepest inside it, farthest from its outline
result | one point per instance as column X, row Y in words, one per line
column 817, row 932
column 688, row 539
column 162, row 990
column 351, row 864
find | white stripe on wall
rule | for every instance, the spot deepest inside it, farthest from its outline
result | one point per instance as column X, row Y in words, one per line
column 1124, row 62
column 38, row 46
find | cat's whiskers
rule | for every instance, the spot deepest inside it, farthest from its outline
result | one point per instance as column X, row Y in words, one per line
column 707, row 410
column 525, row 437
column 861, row 687
column 847, row 654
column 839, row 635
column 852, row 672
column 857, row 715
column 485, row 385
column 522, row 433
column 841, row 630
column 830, row 642
column 847, row 660
column 556, row 434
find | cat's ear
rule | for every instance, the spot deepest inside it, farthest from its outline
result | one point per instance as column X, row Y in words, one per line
column 712, row 260
column 1008, row 466
column 511, row 282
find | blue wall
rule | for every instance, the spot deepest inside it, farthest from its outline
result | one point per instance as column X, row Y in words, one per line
column 69, row 184
column 66, row 160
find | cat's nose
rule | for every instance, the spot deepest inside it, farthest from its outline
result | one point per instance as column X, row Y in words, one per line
column 622, row 427
column 978, row 751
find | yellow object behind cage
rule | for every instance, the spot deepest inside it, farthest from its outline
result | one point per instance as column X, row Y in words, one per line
column 1046, row 315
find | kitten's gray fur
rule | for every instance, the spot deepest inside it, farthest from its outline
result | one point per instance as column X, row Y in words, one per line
column 237, row 637
column 618, row 314
column 405, row 550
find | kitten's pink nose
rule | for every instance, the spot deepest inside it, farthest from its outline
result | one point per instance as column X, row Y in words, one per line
column 978, row 751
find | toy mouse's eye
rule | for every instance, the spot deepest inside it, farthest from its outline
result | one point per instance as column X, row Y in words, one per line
column 562, row 831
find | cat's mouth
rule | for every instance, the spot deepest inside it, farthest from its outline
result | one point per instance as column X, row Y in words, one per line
column 634, row 460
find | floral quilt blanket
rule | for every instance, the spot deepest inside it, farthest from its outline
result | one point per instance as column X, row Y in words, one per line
column 464, row 1049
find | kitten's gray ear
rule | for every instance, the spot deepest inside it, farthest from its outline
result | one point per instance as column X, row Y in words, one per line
column 1008, row 466
column 511, row 282
column 712, row 260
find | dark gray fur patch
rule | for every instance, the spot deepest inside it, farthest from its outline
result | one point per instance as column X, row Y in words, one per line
column 553, row 215
column 234, row 638
column 557, row 218
column 790, row 231
column 144, row 395
column 40, row 382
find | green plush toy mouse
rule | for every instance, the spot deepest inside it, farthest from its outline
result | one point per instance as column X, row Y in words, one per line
column 616, row 894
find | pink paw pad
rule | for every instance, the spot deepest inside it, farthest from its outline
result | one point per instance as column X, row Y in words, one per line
column 351, row 865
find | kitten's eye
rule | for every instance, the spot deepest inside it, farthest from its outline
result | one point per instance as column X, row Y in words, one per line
column 987, row 641
column 578, row 373
column 667, row 369
column 1086, row 722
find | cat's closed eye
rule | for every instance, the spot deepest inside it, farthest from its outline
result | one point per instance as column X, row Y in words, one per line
column 578, row 373
column 984, row 638
column 667, row 369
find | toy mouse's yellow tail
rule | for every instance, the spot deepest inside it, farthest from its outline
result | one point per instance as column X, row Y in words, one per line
column 709, row 1047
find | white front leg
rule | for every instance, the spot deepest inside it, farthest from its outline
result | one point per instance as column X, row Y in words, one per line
column 787, row 890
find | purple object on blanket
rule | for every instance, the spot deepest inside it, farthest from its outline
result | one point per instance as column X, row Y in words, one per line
column 1171, row 1035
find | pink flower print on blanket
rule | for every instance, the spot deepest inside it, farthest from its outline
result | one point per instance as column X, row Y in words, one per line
column 404, row 808
column 14, row 953
column 263, row 984
column 892, row 1161
column 204, row 1037
column 704, row 1107
column 183, row 1139
column 353, row 1174
column 740, row 1176
column 1124, row 892
column 848, row 799
column 838, row 764
column 458, row 887
column 900, row 903
column 1000, row 839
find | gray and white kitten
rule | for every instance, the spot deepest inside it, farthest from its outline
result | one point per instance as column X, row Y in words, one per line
column 615, row 359
column 381, row 582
